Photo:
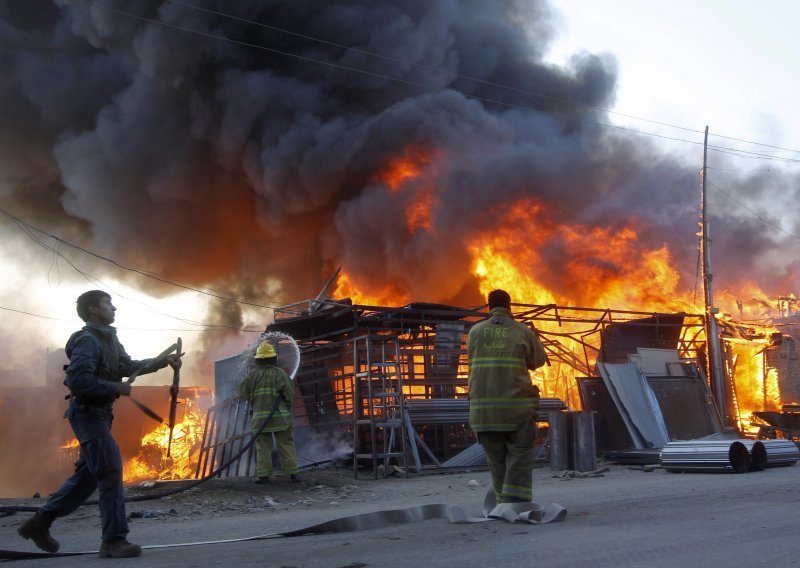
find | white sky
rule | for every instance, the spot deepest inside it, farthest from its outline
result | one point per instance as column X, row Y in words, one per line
column 45, row 286
column 728, row 64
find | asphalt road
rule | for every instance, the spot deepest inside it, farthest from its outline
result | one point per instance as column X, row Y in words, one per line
column 626, row 518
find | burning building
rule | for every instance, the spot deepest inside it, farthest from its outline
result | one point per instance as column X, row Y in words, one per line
column 388, row 385
column 428, row 148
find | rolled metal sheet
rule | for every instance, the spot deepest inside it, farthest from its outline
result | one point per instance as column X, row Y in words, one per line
column 781, row 452
column 758, row 454
column 706, row 456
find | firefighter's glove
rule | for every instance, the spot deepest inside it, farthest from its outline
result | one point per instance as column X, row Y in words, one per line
column 124, row 389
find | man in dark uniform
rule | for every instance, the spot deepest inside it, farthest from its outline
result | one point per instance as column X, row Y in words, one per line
column 503, row 402
column 94, row 377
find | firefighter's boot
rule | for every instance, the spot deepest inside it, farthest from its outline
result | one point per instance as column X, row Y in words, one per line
column 119, row 548
column 37, row 529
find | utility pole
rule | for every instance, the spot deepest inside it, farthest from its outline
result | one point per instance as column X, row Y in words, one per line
column 716, row 371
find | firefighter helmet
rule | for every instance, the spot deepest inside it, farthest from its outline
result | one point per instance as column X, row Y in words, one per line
column 265, row 351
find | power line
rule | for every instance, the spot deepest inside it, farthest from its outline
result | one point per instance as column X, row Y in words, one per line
column 757, row 216
column 748, row 154
column 755, row 143
column 206, row 328
column 31, row 314
column 455, row 74
column 154, row 276
column 741, row 153
column 783, row 169
column 450, row 72
column 89, row 278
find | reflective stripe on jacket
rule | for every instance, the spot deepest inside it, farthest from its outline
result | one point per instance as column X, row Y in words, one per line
column 501, row 351
column 261, row 386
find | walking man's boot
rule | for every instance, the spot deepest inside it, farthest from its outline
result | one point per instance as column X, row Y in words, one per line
column 119, row 548
column 37, row 529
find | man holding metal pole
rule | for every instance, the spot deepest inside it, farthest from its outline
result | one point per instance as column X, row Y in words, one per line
column 97, row 363
column 503, row 402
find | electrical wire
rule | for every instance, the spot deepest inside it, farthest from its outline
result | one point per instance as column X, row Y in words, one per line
column 27, row 228
column 204, row 327
column 757, row 216
column 783, row 169
column 32, row 314
column 741, row 153
column 406, row 62
column 455, row 74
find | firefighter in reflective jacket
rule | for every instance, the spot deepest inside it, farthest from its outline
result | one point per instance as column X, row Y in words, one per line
column 261, row 387
column 503, row 402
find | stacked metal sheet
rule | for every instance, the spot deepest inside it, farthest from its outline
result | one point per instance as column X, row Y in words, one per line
column 456, row 410
column 781, row 452
column 706, row 455
column 438, row 410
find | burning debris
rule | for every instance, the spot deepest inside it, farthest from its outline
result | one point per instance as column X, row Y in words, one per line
column 152, row 461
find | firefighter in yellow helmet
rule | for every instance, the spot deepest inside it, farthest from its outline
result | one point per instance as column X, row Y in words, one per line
column 261, row 387
column 503, row 403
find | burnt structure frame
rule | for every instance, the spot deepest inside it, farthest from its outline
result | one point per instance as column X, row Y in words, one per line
column 328, row 334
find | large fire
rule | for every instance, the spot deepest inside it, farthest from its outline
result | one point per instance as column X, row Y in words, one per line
column 597, row 266
column 404, row 174
column 152, row 461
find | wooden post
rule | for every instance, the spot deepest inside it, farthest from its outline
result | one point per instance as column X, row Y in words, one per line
column 559, row 456
column 584, row 455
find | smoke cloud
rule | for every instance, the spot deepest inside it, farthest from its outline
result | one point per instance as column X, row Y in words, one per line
column 247, row 147
column 248, row 153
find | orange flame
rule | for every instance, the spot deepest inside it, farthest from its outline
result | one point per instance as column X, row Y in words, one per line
column 152, row 461
column 411, row 173
column 600, row 267
column 756, row 384
column 383, row 295
column 407, row 166
column 597, row 266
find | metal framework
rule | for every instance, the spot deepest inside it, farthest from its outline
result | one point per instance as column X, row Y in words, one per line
column 429, row 359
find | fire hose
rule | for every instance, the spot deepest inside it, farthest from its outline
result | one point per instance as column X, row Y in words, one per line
column 8, row 510
column 530, row 513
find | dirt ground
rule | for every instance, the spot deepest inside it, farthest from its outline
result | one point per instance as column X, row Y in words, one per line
column 320, row 489
column 623, row 516
column 330, row 492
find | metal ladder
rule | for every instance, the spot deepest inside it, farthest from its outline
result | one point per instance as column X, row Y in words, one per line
column 378, row 413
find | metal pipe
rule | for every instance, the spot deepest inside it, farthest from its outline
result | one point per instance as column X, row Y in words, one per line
column 709, row 456
column 758, row 454
column 781, row 452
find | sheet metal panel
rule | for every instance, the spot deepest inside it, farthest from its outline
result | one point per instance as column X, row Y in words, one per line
column 636, row 403
column 610, row 430
column 686, row 407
